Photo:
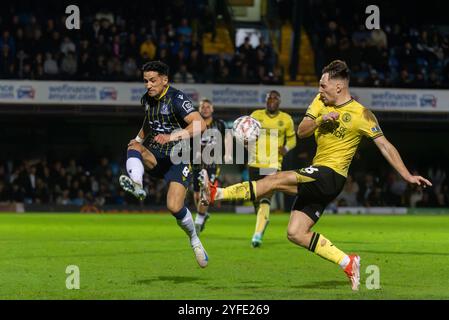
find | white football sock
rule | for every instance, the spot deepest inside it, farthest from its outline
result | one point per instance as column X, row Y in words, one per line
column 135, row 169
column 344, row 262
column 188, row 226
column 219, row 194
column 199, row 219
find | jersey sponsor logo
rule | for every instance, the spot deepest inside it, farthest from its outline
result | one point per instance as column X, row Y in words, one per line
column 346, row 117
column 187, row 106
column 340, row 132
column 180, row 96
column 163, row 127
column 317, row 214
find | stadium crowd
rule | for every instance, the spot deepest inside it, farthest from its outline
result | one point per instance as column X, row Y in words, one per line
column 72, row 183
column 112, row 45
column 401, row 54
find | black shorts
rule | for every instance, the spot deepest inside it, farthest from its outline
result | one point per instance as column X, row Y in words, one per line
column 318, row 187
column 213, row 170
column 167, row 170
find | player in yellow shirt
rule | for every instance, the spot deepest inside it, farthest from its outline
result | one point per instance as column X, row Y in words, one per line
column 338, row 123
column 277, row 138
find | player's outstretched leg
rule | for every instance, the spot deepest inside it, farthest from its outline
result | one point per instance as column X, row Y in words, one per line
column 299, row 232
column 283, row 181
column 134, row 183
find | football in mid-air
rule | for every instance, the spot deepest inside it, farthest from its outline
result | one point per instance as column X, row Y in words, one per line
column 246, row 129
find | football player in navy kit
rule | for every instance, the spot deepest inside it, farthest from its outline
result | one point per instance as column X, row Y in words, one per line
column 169, row 119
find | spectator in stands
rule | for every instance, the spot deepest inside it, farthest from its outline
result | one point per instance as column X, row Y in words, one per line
column 223, row 75
column 148, row 48
column 379, row 38
column 130, row 69
column 69, row 65
column 195, row 65
column 8, row 41
column 85, row 67
column 114, row 68
column 183, row 76
column 246, row 50
column 42, row 193
column 50, row 65
column 209, row 71
column 67, row 46
column 6, row 60
column 185, row 30
column 131, row 47
column 269, row 59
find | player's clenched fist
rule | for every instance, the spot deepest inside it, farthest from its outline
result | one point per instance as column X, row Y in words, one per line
column 331, row 116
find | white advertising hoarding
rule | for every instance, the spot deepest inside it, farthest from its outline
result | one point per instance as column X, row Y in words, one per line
column 223, row 95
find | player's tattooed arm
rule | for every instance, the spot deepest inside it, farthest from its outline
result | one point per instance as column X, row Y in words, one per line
column 195, row 126
column 393, row 157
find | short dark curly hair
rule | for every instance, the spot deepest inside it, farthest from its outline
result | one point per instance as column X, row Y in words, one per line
column 157, row 66
column 337, row 69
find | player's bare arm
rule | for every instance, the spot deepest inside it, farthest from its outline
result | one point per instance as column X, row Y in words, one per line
column 228, row 147
column 394, row 158
column 192, row 119
column 308, row 125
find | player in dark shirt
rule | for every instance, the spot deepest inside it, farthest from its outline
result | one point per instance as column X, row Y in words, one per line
column 170, row 118
column 215, row 138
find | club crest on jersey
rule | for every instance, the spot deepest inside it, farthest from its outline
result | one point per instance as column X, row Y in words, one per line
column 164, row 109
column 346, row 117
column 280, row 123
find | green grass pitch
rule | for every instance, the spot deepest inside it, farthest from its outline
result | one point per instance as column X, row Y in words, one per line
column 149, row 257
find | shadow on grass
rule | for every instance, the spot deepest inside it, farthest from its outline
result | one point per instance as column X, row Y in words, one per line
column 173, row 279
column 322, row 285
